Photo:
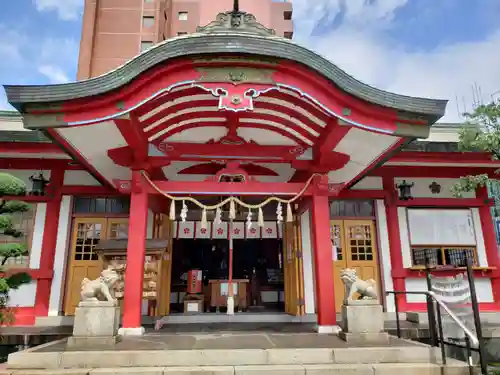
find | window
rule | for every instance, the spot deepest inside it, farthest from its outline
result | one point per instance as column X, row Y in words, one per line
column 25, row 222
column 146, row 45
column 182, row 33
column 148, row 21
column 287, row 15
column 455, row 256
column 84, row 205
column 288, row 34
column 183, row 16
column 149, row 1
column 351, row 208
column 441, row 237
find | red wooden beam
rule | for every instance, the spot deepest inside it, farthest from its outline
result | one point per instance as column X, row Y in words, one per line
column 220, row 188
column 332, row 162
column 329, row 139
column 444, row 202
column 131, row 130
column 444, row 157
column 173, row 150
column 216, row 114
column 30, row 148
column 35, row 273
column 431, row 171
column 33, row 163
column 362, row 194
column 199, row 124
column 89, row 190
column 28, row 198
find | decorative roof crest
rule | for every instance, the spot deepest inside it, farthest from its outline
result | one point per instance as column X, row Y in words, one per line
column 236, row 21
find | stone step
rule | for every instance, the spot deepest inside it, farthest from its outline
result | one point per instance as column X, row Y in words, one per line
column 40, row 359
column 307, row 369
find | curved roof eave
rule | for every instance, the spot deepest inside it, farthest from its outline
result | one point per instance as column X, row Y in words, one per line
column 217, row 43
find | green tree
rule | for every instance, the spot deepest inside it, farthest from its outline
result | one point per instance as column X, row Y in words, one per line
column 10, row 186
column 481, row 132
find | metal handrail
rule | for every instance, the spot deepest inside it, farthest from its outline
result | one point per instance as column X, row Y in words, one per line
column 472, row 337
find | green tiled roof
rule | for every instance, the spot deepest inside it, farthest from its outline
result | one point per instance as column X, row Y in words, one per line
column 23, row 136
column 13, row 114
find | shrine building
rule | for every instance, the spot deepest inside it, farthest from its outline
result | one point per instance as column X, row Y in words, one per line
column 235, row 157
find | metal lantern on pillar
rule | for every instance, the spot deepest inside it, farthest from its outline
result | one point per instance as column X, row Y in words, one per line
column 405, row 190
column 39, row 182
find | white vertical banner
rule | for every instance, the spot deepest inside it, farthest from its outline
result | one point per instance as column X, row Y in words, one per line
column 238, row 230
column 219, row 231
column 186, row 229
column 280, row 230
column 253, row 232
column 270, row 230
column 203, row 232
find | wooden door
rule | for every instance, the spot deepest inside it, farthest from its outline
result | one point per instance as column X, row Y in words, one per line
column 117, row 229
column 84, row 262
column 165, row 232
column 355, row 245
column 293, row 269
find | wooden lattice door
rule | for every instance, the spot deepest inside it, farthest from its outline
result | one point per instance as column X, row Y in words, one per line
column 293, row 269
column 353, row 246
column 163, row 230
column 84, row 261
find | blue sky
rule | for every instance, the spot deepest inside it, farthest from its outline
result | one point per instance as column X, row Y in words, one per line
column 434, row 48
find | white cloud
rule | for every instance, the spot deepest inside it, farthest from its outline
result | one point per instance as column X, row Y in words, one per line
column 67, row 10
column 54, row 73
column 27, row 58
column 359, row 47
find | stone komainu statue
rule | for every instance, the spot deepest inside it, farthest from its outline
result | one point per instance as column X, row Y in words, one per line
column 367, row 289
column 101, row 289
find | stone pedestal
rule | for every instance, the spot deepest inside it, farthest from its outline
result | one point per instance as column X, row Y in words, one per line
column 363, row 321
column 96, row 323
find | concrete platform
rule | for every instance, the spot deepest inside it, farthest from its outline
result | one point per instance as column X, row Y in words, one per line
column 228, row 349
column 240, row 353
column 313, row 369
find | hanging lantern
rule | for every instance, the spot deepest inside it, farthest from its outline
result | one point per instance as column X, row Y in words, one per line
column 405, row 190
column 38, row 184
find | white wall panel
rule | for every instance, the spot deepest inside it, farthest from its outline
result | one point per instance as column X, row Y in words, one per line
column 307, row 261
column 405, row 237
column 37, row 236
column 24, row 296
column 480, row 246
column 385, row 253
column 61, row 256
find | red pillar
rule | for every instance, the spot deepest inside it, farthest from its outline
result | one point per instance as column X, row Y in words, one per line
column 49, row 240
column 490, row 243
column 391, row 211
column 136, row 250
column 325, row 297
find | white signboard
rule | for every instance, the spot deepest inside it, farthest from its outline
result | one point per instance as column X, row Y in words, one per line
column 441, row 227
